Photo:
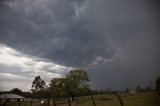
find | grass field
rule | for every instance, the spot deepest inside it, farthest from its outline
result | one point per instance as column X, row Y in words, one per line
column 137, row 99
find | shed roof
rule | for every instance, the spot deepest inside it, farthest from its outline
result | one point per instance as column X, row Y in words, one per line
column 11, row 96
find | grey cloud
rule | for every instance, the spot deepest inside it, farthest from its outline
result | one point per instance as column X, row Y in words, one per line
column 135, row 64
column 132, row 30
column 138, row 64
column 50, row 31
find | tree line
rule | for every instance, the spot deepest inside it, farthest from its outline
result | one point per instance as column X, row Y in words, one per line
column 73, row 84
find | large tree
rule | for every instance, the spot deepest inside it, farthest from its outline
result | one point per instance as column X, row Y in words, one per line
column 16, row 91
column 38, row 84
column 75, row 81
column 158, row 85
column 57, row 87
column 73, row 84
column 138, row 88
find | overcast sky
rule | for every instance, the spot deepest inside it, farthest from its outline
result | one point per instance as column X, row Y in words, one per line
column 116, row 41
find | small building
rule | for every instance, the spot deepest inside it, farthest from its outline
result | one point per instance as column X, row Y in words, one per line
column 11, row 98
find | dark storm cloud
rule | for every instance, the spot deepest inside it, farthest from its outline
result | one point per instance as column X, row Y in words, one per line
column 132, row 28
column 136, row 63
column 115, row 40
column 51, row 30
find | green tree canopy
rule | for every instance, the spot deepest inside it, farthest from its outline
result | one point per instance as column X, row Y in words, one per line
column 76, row 81
column 57, row 87
column 38, row 84
column 73, row 84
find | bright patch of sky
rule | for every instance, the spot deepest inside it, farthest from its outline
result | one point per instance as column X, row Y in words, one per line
column 13, row 63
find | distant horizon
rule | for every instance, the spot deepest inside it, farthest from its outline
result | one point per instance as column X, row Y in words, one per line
column 151, row 85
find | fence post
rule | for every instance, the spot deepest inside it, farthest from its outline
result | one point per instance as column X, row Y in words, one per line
column 54, row 102
column 120, row 100
column 19, row 103
column 94, row 104
column 4, row 104
column 69, row 102
column 31, row 102
column 48, row 102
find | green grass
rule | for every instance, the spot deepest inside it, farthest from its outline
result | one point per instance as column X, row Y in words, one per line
column 137, row 99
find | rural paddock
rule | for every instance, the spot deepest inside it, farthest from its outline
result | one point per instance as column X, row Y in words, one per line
column 136, row 99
